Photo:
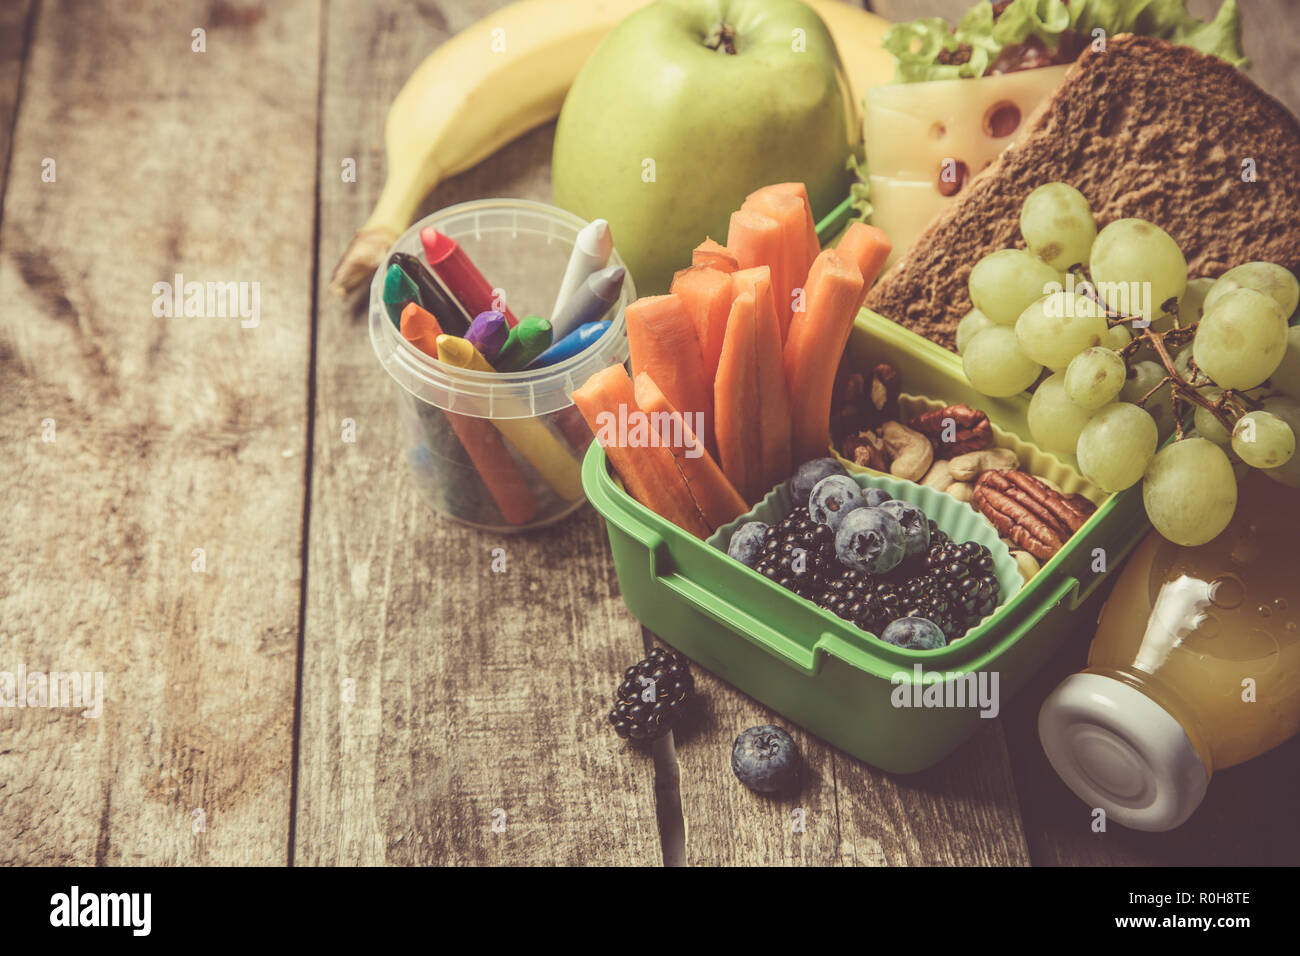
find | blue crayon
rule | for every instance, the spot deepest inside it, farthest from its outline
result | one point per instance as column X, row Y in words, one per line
column 573, row 343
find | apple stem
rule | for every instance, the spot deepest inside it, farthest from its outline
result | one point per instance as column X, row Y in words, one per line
column 722, row 38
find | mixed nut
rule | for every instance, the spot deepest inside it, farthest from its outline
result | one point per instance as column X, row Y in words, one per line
column 951, row 449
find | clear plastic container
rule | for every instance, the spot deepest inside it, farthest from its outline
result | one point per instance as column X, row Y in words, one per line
column 525, row 420
column 1195, row 667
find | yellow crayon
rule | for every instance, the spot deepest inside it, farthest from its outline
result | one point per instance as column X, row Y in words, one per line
column 533, row 439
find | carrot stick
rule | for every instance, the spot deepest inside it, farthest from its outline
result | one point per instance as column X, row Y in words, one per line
column 531, row 438
column 800, row 192
column 866, row 247
column 648, row 471
column 735, row 400
column 814, row 346
column 662, row 341
column 488, row 453
column 796, row 257
column 714, row 254
column 713, row 495
column 773, row 401
column 756, row 240
column 706, row 293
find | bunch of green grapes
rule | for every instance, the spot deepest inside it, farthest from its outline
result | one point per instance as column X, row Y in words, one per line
column 1125, row 351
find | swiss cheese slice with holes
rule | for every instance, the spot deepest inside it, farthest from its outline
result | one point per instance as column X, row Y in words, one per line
column 924, row 141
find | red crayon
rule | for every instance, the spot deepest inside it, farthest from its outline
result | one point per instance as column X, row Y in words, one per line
column 460, row 275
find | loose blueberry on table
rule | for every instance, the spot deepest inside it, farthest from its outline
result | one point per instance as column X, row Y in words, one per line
column 766, row 760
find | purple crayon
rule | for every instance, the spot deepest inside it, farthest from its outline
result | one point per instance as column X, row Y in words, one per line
column 487, row 333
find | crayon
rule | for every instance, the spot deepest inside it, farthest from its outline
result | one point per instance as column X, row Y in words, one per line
column 398, row 290
column 487, row 452
column 459, row 274
column 453, row 319
column 589, row 302
column 533, row 440
column 591, row 250
column 487, row 333
column 420, row 328
column 527, row 340
column 573, row 343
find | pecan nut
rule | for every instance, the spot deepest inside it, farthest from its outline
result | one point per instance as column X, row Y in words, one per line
column 1037, row 518
column 955, row 430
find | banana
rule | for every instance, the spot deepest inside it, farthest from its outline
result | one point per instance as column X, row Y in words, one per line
column 485, row 86
column 858, row 35
column 505, row 75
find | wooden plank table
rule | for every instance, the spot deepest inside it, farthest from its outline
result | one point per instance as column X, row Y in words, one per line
column 301, row 664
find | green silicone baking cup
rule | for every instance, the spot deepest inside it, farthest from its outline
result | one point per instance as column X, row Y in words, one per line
column 1033, row 459
column 956, row 519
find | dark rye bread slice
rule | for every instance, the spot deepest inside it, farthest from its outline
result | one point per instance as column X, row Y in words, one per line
column 1146, row 129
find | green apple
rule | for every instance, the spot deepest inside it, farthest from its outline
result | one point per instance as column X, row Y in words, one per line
column 686, row 108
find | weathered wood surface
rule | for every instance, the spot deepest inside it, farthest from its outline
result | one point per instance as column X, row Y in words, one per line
column 475, row 690
column 961, row 812
column 432, row 691
column 14, row 18
column 169, row 434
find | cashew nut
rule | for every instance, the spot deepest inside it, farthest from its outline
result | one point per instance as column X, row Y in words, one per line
column 961, row 491
column 910, row 450
column 938, row 476
column 973, row 463
column 1026, row 562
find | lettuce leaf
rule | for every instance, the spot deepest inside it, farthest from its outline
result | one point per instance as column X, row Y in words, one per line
column 927, row 49
column 860, row 191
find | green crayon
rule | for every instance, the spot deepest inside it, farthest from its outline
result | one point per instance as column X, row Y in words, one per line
column 527, row 340
column 399, row 289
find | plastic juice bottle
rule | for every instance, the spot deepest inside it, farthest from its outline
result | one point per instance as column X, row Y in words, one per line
column 1195, row 667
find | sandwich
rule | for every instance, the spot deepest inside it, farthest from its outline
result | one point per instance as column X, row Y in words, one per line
column 1144, row 128
column 963, row 94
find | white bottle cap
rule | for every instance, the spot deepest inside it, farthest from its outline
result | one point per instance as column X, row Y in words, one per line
column 1118, row 749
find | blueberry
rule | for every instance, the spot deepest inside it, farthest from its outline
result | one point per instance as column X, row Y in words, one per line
column 832, row 498
column 876, row 497
column 914, row 633
column 811, row 472
column 916, row 526
column 766, row 759
column 871, row 540
column 747, row 542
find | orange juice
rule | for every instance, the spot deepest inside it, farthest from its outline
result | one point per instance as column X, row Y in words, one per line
column 1195, row 667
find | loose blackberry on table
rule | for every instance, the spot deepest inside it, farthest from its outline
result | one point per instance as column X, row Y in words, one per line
column 673, row 689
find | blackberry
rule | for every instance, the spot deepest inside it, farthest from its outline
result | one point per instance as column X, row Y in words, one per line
column 846, row 594
column 949, row 583
column 798, row 554
column 965, row 573
column 673, row 689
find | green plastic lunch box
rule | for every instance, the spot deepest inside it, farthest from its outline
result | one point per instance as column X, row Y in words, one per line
column 823, row 673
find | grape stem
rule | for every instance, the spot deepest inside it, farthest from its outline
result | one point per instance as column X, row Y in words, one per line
column 1183, row 391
